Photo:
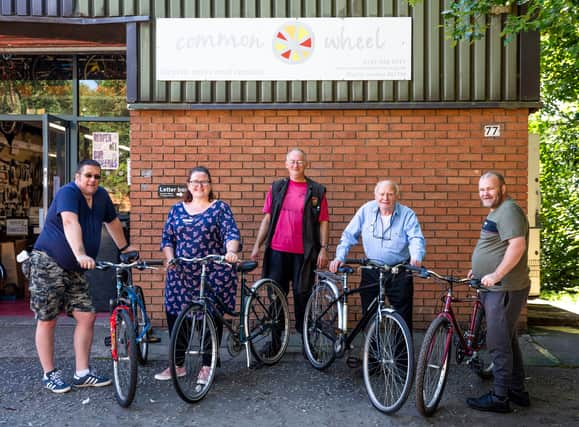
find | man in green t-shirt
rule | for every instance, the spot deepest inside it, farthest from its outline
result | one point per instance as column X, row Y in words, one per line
column 499, row 260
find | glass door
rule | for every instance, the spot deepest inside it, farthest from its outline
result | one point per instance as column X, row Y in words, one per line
column 55, row 157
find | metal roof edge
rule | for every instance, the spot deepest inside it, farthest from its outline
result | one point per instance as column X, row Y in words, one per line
column 74, row 20
column 136, row 106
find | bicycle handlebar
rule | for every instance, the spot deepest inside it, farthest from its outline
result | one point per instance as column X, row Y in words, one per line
column 375, row 264
column 424, row 273
column 139, row 265
column 219, row 259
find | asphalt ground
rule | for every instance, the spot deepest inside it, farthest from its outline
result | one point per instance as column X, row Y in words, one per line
column 291, row 393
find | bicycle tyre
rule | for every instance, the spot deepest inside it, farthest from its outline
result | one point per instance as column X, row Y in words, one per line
column 193, row 341
column 388, row 363
column 478, row 363
column 140, row 312
column 266, row 321
column 433, row 365
column 125, row 365
column 321, row 325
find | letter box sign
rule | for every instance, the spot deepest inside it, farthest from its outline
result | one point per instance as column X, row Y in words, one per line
column 220, row 49
column 171, row 191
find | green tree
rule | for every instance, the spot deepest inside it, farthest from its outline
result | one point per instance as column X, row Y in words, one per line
column 557, row 123
column 560, row 198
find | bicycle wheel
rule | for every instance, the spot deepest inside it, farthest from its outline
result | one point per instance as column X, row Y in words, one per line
column 479, row 363
column 193, row 353
column 433, row 365
column 321, row 326
column 125, row 364
column 140, row 312
column 388, row 364
column 266, row 321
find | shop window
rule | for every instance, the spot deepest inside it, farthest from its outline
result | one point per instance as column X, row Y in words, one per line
column 116, row 181
column 102, row 86
column 35, row 84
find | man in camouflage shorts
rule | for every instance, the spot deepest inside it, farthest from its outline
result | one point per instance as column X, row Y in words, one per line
column 53, row 289
column 66, row 247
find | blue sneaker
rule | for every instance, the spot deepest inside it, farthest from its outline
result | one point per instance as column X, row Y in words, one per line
column 54, row 382
column 91, row 380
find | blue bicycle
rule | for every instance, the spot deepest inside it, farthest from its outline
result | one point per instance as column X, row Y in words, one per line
column 129, row 325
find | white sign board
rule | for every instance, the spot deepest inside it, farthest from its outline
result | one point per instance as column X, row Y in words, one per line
column 105, row 149
column 283, row 49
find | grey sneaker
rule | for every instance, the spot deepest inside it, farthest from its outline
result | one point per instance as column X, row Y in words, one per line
column 91, row 380
column 54, row 382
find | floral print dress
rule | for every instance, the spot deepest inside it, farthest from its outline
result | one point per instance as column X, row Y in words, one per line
column 196, row 236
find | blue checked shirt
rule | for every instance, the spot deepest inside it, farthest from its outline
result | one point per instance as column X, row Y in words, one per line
column 401, row 241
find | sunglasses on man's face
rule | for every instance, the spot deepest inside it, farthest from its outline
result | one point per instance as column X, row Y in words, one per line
column 90, row 175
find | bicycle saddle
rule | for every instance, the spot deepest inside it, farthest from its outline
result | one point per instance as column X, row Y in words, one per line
column 129, row 257
column 246, row 266
column 345, row 269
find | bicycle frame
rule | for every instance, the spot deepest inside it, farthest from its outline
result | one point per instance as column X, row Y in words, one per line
column 126, row 290
column 375, row 307
column 466, row 342
column 127, row 298
column 214, row 301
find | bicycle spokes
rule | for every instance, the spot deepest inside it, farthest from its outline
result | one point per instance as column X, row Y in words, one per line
column 388, row 362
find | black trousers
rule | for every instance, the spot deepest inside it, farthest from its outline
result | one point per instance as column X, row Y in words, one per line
column 400, row 292
column 284, row 267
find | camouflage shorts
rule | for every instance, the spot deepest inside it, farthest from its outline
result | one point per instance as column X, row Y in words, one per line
column 53, row 289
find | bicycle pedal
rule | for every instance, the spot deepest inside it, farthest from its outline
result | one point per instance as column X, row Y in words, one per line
column 152, row 339
column 108, row 341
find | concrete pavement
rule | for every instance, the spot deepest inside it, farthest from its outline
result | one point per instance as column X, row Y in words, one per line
column 291, row 393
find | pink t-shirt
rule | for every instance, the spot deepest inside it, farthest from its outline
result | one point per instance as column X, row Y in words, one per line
column 288, row 233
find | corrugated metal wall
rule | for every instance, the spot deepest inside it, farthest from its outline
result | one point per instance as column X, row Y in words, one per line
column 70, row 8
column 483, row 71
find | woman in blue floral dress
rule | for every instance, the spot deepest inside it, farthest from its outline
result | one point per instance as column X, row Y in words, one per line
column 196, row 227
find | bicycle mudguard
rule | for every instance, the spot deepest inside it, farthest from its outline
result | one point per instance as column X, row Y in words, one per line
column 325, row 278
column 113, row 328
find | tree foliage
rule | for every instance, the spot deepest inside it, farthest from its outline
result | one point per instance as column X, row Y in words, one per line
column 559, row 198
column 557, row 123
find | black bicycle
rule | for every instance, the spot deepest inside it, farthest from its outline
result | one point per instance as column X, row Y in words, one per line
column 262, row 321
column 388, row 357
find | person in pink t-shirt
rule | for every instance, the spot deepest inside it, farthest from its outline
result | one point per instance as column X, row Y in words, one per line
column 295, row 232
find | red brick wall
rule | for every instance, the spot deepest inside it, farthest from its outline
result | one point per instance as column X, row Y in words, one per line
column 436, row 156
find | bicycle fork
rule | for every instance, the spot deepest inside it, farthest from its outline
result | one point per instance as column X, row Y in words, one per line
column 111, row 340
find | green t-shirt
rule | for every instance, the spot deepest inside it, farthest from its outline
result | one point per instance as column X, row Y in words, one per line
column 505, row 222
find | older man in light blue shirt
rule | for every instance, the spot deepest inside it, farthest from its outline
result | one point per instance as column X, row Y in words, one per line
column 391, row 234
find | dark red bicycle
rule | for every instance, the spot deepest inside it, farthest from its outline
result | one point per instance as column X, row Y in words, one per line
column 435, row 352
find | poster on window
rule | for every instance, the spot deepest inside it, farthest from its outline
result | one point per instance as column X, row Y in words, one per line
column 105, row 149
